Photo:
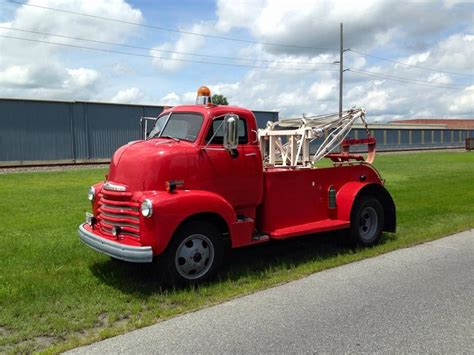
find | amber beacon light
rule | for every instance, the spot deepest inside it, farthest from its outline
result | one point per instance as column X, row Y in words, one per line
column 203, row 96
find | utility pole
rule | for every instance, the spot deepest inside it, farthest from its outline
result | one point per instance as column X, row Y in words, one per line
column 341, row 71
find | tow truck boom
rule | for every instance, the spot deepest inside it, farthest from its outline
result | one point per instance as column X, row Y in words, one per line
column 287, row 142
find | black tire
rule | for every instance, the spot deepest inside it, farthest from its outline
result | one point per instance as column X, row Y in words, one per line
column 194, row 255
column 367, row 221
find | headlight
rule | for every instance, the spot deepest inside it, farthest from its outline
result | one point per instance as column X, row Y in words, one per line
column 147, row 208
column 91, row 194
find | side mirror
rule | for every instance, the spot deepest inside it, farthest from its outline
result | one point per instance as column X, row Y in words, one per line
column 231, row 132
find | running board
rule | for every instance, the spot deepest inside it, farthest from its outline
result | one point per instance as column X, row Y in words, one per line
column 309, row 228
column 260, row 237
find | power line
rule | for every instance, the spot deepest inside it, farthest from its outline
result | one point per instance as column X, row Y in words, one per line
column 222, row 38
column 160, row 28
column 408, row 65
column 358, row 71
column 405, row 80
column 163, row 58
column 163, row 50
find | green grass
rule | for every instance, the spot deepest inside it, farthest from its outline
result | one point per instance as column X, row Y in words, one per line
column 56, row 293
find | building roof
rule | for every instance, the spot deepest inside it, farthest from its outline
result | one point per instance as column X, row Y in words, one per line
column 116, row 103
column 449, row 123
column 396, row 126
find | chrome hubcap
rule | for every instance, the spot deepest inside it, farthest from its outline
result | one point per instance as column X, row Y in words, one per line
column 368, row 222
column 194, row 256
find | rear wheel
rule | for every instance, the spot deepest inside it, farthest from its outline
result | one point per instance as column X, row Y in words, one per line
column 367, row 221
column 194, row 255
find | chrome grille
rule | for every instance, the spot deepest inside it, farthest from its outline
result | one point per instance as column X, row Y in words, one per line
column 117, row 210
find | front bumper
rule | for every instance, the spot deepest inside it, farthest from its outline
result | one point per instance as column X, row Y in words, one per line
column 134, row 254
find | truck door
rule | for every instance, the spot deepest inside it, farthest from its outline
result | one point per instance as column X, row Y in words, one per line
column 236, row 177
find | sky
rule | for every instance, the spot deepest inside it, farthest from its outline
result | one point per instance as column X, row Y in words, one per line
column 405, row 59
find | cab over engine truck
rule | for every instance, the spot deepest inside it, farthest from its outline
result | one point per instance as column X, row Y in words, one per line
column 205, row 178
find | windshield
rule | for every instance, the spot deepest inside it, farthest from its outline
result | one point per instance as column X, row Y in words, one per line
column 184, row 126
column 160, row 122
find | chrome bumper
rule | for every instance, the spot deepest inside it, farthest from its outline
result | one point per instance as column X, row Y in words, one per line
column 114, row 249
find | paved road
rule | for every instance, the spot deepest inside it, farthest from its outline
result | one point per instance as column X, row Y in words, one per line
column 411, row 300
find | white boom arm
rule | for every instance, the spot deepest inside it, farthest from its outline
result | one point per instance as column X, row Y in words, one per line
column 286, row 143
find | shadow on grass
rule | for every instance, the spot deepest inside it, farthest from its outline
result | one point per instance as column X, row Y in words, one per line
column 143, row 280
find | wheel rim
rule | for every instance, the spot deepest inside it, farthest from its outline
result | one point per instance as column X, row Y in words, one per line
column 368, row 223
column 194, row 256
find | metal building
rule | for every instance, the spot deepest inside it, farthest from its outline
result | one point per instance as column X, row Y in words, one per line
column 414, row 136
column 43, row 132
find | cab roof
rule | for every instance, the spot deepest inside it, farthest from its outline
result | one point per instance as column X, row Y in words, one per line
column 212, row 110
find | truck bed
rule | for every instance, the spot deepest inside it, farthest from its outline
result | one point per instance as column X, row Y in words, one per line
column 295, row 201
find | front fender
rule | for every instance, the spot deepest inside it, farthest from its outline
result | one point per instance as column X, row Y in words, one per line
column 348, row 194
column 171, row 209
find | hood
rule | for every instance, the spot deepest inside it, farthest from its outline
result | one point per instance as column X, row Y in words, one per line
column 146, row 165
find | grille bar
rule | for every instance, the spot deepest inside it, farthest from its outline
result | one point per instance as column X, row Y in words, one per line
column 128, row 212
column 108, row 201
column 120, row 222
column 116, row 210
column 119, row 217
column 117, row 195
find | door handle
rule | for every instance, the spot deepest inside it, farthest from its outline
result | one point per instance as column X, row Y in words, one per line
column 251, row 154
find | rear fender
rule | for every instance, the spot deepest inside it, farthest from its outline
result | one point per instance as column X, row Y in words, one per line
column 350, row 192
column 171, row 209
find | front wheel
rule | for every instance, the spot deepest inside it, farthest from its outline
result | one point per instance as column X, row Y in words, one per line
column 194, row 255
column 367, row 221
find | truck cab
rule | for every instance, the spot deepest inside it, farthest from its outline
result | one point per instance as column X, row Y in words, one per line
column 198, row 184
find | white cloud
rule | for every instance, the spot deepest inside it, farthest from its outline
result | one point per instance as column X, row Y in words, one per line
column 81, row 78
column 443, row 40
column 451, row 3
column 185, row 44
column 375, row 101
column 225, row 88
column 47, row 21
column 414, row 59
column 463, row 103
column 120, row 69
column 439, row 78
column 294, row 93
column 419, row 40
column 239, row 12
column 324, row 90
column 171, row 99
column 128, row 96
column 16, row 75
column 316, row 23
column 31, row 69
column 455, row 53
column 188, row 97
column 28, row 76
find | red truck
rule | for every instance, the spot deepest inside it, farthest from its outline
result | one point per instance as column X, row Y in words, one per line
column 206, row 179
